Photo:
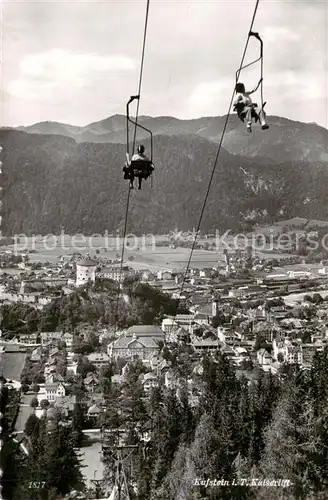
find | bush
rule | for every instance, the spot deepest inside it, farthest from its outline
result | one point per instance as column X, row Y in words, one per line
column 44, row 404
column 25, row 388
column 34, row 403
column 31, row 424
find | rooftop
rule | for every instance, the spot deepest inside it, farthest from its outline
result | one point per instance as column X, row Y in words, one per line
column 87, row 263
column 144, row 330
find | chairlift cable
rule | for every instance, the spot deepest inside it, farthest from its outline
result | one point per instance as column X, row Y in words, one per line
column 134, row 140
column 141, row 72
column 216, row 159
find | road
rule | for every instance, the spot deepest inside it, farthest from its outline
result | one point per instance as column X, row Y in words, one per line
column 25, row 411
column 12, row 364
column 91, row 460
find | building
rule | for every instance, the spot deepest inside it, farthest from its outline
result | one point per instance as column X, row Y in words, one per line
column 171, row 325
column 291, row 352
column 215, row 307
column 36, row 355
column 72, row 367
column 205, row 273
column 85, row 272
column 68, row 339
column 113, row 272
column 263, row 357
column 98, row 359
column 308, row 351
column 91, row 382
column 50, row 392
column 149, row 380
column 238, row 292
column 94, row 411
column 206, row 345
column 145, row 331
column 299, row 274
column 164, row 275
column 47, row 337
column 225, row 334
column 147, row 276
column 28, row 338
column 142, row 347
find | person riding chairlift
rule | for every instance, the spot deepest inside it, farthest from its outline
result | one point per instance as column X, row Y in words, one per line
column 245, row 108
column 139, row 156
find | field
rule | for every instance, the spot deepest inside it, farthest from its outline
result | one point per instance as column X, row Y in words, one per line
column 146, row 251
column 93, row 467
column 12, row 364
column 25, row 411
column 295, row 298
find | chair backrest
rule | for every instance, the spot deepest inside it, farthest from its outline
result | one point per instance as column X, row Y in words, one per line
column 140, row 163
column 143, row 165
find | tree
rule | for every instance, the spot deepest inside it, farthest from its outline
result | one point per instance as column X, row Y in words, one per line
column 178, row 483
column 306, row 337
column 293, row 447
column 35, row 388
column 25, row 388
column 210, row 452
column 165, row 440
column 34, row 403
column 32, row 425
column 106, row 374
column 317, row 298
column 218, row 320
column 247, row 365
column 55, row 462
column 85, row 366
column 280, row 357
column 44, row 404
column 260, row 343
column 9, row 450
column 78, row 421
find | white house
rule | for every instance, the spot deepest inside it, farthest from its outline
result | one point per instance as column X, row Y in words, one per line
column 126, row 347
column 299, row 274
column 113, row 272
column 225, row 334
column 291, row 351
column 149, row 381
column 72, row 367
column 238, row 292
column 263, row 357
column 51, row 392
column 50, row 337
column 68, row 339
column 164, row 275
column 99, row 359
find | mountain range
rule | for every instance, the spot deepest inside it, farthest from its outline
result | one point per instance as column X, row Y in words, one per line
column 57, row 175
column 286, row 140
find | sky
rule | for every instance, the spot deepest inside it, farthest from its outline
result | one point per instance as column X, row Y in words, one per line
column 78, row 62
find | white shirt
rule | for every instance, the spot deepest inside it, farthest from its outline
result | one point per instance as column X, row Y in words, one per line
column 140, row 157
column 243, row 98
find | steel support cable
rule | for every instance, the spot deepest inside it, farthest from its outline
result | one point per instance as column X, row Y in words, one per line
column 216, row 159
column 134, row 141
column 141, row 72
column 262, row 99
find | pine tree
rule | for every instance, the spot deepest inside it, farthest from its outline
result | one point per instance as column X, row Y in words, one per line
column 166, row 437
column 78, row 421
column 61, row 464
column 292, row 441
